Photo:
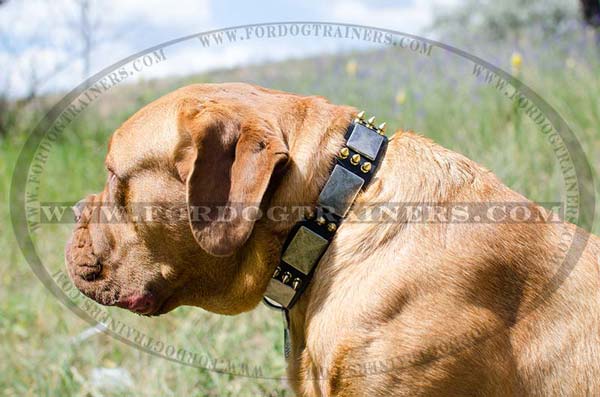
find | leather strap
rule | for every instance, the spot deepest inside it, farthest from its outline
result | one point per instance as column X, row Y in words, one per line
column 355, row 166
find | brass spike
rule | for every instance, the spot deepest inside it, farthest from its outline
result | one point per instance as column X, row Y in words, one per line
column 371, row 121
column 296, row 283
column 277, row 271
column 321, row 221
column 361, row 115
column 331, row 227
column 382, row 127
column 366, row 167
column 355, row 159
column 344, row 153
column 286, row 277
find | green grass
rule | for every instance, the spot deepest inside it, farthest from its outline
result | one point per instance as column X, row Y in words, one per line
column 443, row 101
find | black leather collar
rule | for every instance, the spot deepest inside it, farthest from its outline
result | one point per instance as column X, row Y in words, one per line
column 355, row 166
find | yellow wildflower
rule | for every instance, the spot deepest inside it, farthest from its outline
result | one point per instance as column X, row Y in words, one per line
column 516, row 60
column 351, row 68
column 401, row 97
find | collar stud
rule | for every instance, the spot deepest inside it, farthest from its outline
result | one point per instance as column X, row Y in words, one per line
column 344, row 153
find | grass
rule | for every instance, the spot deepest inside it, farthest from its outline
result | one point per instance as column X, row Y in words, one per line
column 435, row 96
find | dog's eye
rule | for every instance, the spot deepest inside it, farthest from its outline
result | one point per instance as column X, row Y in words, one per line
column 116, row 187
column 113, row 178
column 113, row 181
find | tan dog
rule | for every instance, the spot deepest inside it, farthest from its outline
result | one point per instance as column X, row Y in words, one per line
column 395, row 308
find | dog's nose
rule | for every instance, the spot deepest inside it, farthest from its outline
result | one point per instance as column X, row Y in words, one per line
column 91, row 272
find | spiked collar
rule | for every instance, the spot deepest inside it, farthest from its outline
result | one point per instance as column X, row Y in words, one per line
column 355, row 165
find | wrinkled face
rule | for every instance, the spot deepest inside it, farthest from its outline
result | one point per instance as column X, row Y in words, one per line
column 133, row 264
column 136, row 245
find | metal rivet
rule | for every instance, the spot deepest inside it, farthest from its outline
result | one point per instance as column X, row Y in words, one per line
column 355, row 159
column 331, row 227
column 286, row 277
column 321, row 220
column 344, row 153
column 366, row 167
column 277, row 271
column 296, row 283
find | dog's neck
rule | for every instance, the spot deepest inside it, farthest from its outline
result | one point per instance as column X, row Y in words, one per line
column 410, row 160
column 314, row 141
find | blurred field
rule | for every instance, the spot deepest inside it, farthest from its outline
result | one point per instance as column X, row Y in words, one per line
column 436, row 96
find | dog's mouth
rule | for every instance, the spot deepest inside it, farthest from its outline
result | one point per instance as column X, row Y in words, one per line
column 145, row 304
column 162, row 308
column 95, row 282
column 107, row 292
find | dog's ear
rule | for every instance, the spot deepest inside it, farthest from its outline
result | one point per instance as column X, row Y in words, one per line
column 233, row 155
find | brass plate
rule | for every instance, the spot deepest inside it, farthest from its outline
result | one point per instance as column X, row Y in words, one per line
column 304, row 250
column 365, row 141
column 340, row 190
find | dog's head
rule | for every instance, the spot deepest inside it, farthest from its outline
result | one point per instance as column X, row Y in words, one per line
column 152, row 240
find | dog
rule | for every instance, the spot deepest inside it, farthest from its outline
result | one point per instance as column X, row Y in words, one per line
column 394, row 308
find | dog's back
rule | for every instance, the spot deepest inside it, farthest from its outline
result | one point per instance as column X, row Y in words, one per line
column 447, row 308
